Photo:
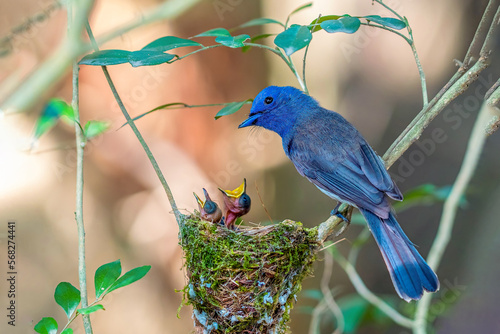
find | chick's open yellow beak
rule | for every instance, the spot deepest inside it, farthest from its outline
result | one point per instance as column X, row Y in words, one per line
column 200, row 202
column 236, row 193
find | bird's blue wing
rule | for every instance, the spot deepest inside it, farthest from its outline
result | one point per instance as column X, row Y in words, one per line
column 357, row 177
column 374, row 169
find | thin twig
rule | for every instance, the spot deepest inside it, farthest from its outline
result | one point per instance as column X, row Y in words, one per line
column 493, row 100
column 482, row 28
column 327, row 293
column 390, row 9
column 425, row 117
column 262, row 202
column 31, row 89
column 370, row 296
column 316, row 317
column 74, row 21
column 421, row 73
column 375, row 25
column 284, row 58
column 39, row 17
column 411, row 41
column 473, row 51
column 296, row 73
column 136, row 131
column 443, row 236
column 490, row 36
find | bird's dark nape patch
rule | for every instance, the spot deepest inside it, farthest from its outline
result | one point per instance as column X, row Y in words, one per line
column 245, row 281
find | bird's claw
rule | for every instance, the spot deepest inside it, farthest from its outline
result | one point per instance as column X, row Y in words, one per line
column 335, row 212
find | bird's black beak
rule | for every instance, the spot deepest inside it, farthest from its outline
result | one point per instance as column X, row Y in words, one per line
column 249, row 121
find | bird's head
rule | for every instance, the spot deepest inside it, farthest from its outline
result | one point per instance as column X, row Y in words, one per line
column 237, row 200
column 209, row 210
column 276, row 108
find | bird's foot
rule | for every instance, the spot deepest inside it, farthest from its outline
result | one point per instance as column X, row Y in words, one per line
column 335, row 212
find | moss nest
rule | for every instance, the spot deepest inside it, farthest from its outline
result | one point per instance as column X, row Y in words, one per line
column 245, row 281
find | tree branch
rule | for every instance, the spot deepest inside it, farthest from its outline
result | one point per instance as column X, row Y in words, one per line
column 370, row 296
column 74, row 29
column 30, row 90
column 469, row 164
column 473, row 51
column 493, row 100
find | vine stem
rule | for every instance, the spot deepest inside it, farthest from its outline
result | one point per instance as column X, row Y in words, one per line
column 423, row 82
column 410, row 41
column 328, row 296
column 72, row 10
column 370, row 296
column 287, row 61
column 469, row 164
column 138, row 134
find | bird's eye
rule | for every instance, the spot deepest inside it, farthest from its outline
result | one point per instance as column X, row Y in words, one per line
column 268, row 100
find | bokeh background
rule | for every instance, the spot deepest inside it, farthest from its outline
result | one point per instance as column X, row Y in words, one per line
column 369, row 77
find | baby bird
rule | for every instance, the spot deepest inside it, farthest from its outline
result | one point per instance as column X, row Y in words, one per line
column 209, row 210
column 237, row 203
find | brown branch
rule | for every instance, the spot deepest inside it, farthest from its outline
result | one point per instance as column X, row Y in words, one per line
column 456, row 86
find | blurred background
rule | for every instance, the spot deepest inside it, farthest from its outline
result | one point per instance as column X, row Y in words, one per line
column 369, row 77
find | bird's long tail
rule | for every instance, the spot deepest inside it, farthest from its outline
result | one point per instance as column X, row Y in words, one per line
column 410, row 274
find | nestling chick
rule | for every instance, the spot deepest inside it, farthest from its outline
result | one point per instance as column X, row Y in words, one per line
column 209, row 210
column 237, row 203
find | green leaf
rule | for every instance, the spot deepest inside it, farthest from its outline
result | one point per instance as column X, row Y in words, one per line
column 231, row 108
column 105, row 276
column 387, row 21
column 54, row 109
column 149, row 58
column 47, row 325
column 129, row 277
column 425, row 194
column 214, row 33
column 232, row 42
column 293, row 39
column 135, row 58
column 90, row 309
column 170, row 42
column 95, row 128
column 259, row 22
column 67, row 331
column 346, row 24
column 68, row 297
column 354, row 309
column 315, row 23
column 105, row 58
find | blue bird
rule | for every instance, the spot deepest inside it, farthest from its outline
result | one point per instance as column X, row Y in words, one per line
column 332, row 154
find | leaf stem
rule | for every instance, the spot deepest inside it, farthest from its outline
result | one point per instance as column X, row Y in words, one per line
column 137, row 133
column 296, row 73
column 282, row 56
column 423, row 82
column 411, row 41
column 375, row 25
column 390, row 9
